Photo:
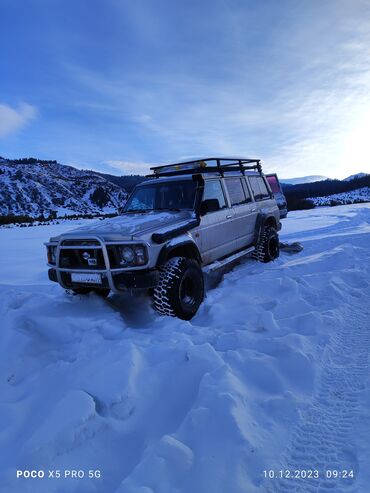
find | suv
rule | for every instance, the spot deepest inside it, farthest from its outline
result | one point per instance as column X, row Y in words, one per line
column 188, row 220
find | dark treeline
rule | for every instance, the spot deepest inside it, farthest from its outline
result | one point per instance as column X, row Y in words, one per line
column 127, row 182
column 297, row 195
column 31, row 160
column 326, row 187
column 29, row 220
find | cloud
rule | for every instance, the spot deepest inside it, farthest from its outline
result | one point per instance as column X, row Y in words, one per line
column 129, row 167
column 13, row 119
column 298, row 98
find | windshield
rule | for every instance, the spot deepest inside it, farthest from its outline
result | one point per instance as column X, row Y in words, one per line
column 170, row 195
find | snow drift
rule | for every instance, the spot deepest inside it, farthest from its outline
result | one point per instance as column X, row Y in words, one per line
column 271, row 374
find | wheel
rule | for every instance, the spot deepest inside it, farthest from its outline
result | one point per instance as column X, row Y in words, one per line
column 267, row 248
column 180, row 289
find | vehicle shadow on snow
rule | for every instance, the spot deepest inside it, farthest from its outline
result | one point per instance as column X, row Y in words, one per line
column 135, row 310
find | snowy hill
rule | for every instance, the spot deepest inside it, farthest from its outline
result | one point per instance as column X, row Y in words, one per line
column 303, row 179
column 273, row 373
column 32, row 187
column 352, row 197
column 354, row 177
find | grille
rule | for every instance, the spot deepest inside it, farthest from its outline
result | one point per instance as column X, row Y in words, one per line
column 79, row 258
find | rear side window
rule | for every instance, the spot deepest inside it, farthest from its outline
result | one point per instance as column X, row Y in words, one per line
column 213, row 190
column 236, row 191
column 259, row 187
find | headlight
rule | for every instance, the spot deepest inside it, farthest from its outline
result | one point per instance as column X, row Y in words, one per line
column 133, row 255
column 52, row 254
column 128, row 254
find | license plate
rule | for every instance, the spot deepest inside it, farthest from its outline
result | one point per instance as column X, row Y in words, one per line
column 86, row 278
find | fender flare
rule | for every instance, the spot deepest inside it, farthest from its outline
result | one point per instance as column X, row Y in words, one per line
column 261, row 220
column 177, row 231
column 185, row 246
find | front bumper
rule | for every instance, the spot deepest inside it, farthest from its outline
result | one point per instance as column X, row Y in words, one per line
column 120, row 281
column 114, row 278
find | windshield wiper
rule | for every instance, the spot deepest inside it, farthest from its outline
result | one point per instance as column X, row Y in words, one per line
column 174, row 209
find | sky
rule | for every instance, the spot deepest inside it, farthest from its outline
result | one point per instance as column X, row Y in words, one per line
column 119, row 85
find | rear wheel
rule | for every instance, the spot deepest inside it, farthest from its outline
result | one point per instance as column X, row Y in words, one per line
column 180, row 289
column 267, row 248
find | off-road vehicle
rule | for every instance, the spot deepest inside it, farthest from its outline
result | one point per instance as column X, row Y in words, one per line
column 187, row 220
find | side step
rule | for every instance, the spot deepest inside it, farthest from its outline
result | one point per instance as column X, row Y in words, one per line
column 208, row 269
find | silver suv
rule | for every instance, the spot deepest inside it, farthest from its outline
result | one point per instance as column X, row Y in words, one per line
column 187, row 220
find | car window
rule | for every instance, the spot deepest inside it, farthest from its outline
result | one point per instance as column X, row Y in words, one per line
column 246, row 190
column 274, row 184
column 259, row 188
column 236, row 192
column 213, row 190
column 263, row 187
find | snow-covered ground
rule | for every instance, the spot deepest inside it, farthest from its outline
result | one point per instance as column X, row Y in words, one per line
column 271, row 374
column 358, row 195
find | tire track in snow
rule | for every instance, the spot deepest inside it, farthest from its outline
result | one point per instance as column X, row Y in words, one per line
column 323, row 438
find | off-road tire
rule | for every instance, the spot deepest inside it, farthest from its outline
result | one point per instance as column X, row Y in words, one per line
column 180, row 289
column 267, row 248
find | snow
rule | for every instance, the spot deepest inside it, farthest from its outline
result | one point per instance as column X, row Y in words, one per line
column 357, row 175
column 272, row 373
column 350, row 197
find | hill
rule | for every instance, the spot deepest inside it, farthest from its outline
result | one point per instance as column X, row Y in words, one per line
column 35, row 187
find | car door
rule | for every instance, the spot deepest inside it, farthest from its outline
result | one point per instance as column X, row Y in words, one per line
column 216, row 228
column 245, row 211
column 264, row 198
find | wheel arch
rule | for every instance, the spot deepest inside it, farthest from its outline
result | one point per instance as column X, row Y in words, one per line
column 263, row 220
column 186, row 248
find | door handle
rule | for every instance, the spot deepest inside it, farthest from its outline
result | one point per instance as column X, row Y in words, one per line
column 229, row 216
column 253, row 210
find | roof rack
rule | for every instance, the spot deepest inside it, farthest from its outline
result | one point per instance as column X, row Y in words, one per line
column 207, row 165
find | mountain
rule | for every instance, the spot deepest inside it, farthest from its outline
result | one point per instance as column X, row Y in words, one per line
column 35, row 187
column 356, row 176
column 303, row 179
column 127, row 182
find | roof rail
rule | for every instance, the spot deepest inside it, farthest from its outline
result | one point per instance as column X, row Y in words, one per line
column 207, row 165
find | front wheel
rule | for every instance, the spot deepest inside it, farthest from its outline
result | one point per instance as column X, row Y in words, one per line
column 267, row 248
column 180, row 289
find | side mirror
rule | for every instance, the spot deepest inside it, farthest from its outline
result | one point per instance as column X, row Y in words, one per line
column 210, row 205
